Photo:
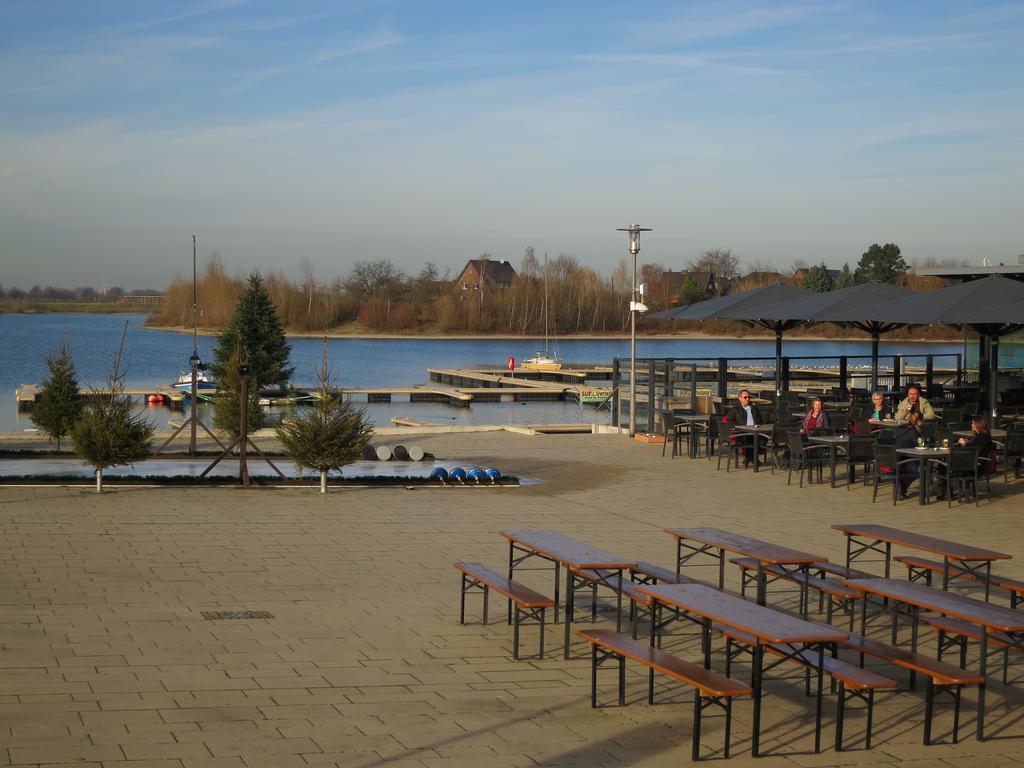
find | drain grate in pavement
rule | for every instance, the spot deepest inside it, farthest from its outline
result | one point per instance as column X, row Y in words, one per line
column 216, row 615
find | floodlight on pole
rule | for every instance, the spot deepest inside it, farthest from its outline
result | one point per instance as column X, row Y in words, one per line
column 635, row 305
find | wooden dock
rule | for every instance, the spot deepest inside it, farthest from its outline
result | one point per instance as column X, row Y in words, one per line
column 27, row 394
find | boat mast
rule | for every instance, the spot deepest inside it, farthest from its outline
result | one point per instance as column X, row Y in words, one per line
column 195, row 317
column 546, row 305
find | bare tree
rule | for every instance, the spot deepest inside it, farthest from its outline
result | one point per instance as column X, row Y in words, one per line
column 722, row 261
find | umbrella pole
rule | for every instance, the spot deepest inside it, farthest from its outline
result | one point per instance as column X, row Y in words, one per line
column 993, row 377
column 874, row 361
column 778, row 364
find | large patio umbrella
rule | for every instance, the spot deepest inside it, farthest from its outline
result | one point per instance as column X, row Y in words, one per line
column 744, row 306
column 821, row 307
column 992, row 307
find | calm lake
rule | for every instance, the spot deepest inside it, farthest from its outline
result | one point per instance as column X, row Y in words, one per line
column 159, row 356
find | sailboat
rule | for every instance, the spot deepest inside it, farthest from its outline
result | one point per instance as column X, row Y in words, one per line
column 543, row 361
column 204, row 379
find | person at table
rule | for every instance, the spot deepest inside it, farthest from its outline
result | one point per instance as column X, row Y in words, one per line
column 815, row 420
column 914, row 403
column 879, row 411
column 981, row 439
column 906, row 437
column 745, row 413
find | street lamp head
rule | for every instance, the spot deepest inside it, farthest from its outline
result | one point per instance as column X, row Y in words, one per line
column 194, row 361
column 243, row 370
column 633, row 234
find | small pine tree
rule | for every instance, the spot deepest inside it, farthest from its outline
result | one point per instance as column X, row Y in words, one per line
column 227, row 410
column 59, row 404
column 817, row 279
column 846, row 278
column 110, row 433
column 691, row 291
column 881, row 263
column 256, row 327
column 329, row 433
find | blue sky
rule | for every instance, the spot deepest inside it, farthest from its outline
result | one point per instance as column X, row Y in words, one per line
column 437, row 131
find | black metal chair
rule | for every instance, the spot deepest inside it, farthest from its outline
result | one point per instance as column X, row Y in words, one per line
column 961, row 467
column 840, row 421
column 675, row 431
column 779, row 446
column 928, row 429
column 804, row 458
column 726, row 445
column 952, row 414
column 886, row 469
column 970, row 408
column 859, row 450
column 1013, row 452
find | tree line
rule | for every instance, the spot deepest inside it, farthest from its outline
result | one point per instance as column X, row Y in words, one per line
column 377, row 296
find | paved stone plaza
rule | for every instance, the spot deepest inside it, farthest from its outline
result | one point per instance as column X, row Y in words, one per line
column 107, row 660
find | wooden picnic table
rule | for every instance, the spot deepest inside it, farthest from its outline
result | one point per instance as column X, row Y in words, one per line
column 756, row 431
column 767, row 625
column 971, row 561
column 575, row 555
column 717, row 542
column 991, row 618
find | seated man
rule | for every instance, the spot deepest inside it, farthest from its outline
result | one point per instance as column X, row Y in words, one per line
column 745, row 413
column 914, row 403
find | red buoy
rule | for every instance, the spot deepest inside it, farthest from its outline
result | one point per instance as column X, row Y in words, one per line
column 154, row 399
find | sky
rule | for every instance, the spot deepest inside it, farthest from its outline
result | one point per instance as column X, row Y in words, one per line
column 337, row 131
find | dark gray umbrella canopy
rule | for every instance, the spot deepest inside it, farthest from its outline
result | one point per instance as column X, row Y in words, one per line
column 992, row 307
column 744, row 306
column 824, row 307
column 713, row 309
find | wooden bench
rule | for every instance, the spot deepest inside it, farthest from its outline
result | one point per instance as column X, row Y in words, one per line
column 941, row 676
column 853, row 681
column 649, row 573
column 529, row 605
column 840, row 570
column 919, row 568
column 1015, row 587
column 710, row 687
column 961, row 631
column 838, row 594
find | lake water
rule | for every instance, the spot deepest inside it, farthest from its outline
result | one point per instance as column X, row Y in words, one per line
column 159, row 356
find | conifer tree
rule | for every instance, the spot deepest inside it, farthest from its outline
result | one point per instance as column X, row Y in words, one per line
column 817, row 279
column 881, row 263
column 256, row 327
column 328, row 434
column 227, row 412
column 845, row 278
column 58, row 405
column 110, row 433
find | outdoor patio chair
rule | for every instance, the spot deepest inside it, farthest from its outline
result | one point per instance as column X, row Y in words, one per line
column 961, row 469
column 840, row 421
column 970, row 409
column 952, row 413
column 675, row 432
column 858, row 450
column 886, row 469
column 804, row 458
column 727, row 447
column 1013, row 452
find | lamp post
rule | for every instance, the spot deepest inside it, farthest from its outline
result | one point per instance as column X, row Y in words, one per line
column 194, row 362
column 635, row 305
column 243, row 438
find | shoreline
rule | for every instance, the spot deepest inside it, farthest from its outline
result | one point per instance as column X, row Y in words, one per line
column 681, row 336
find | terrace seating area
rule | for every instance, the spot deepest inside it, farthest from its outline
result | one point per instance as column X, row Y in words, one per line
column 894, row 465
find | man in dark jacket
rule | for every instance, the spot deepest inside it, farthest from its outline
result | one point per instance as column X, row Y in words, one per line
column 744, row 413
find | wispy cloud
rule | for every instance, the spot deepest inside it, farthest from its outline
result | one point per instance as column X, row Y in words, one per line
column 202, row 9
column 373, row 42
column 727, row 20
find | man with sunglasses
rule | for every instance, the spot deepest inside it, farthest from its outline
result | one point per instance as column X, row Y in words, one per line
column 745, row 412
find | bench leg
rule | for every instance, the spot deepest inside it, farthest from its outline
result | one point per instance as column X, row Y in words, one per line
column 840, row 714
column 593, row 676
column 622, row 681
column 515, row 631
column 540, row 655
column 956, row 714
column 462, row 602
column 697, row 707
column 871, row 712
column 929, row 705
column 728, row 725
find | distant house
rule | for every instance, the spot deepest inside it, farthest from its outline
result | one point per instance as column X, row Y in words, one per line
column 141, row 297
column 485, row 273
column 673, row 283
column 800, row 274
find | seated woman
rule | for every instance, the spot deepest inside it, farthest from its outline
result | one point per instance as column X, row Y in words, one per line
column 981, row 438
column 879, row 410
column 815, row 420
